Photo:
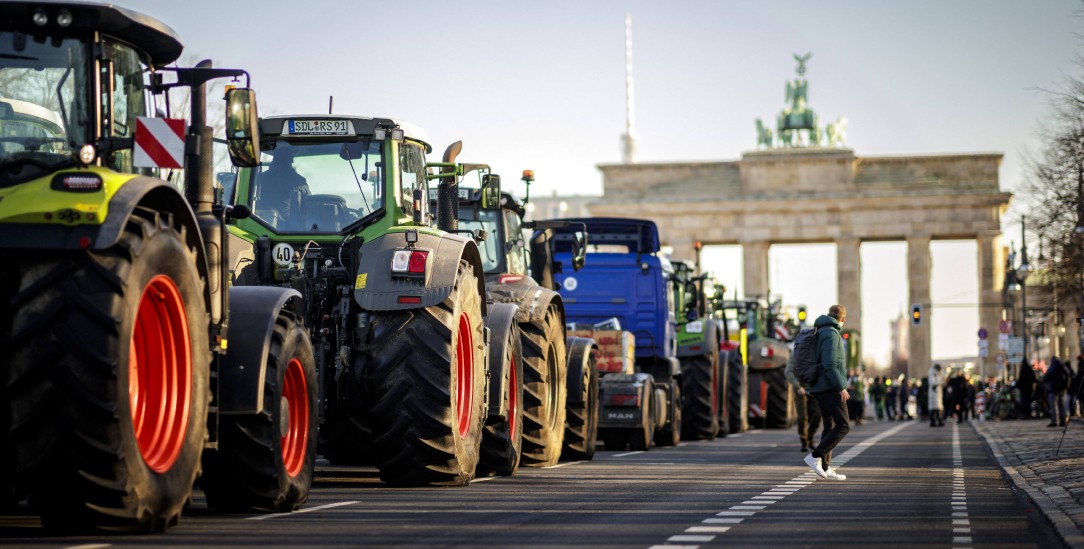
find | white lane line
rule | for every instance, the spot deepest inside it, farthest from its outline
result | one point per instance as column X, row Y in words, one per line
column 961, row 539
column 722, row 521
column 483, row 479
column 962, row 521
column 628, row 454
column 566, row 464
column 684, row 537
column 747, row 507
column 734, row 514
column 759, row 502
column 89, row 546
column 308, row 510
column 669, row 546
column 707, row 529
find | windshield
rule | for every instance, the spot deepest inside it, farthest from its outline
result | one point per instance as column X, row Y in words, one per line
column 472, row 219
column 42, row 98
column 317, row 187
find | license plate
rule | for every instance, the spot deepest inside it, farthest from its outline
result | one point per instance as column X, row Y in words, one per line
column 319, row 127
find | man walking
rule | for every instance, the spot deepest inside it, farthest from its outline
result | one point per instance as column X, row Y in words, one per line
column 830, row 390
column 809, row 417
column 935, row 379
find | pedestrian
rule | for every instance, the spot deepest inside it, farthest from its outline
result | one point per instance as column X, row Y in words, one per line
column 958, row 388
column 922, row 399
column 905, row 398
column 830, row 391
column 935, row 379
column 1074, row 388
column 1056, row 382
column 809, row 415
column 969, row 403
column 856, row 402
column 1025, row 383
column 980, row 401
column 877, row 393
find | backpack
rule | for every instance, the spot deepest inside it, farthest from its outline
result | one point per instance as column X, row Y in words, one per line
column 807, row 361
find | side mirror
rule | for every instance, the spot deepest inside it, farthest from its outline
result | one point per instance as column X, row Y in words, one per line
column 579, row 251
column 242, row 128
column 491, row 191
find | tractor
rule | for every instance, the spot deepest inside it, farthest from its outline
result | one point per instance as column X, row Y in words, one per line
column 395, row 303
column 558, row 416
column 119, row 381
column 764, row 345
column 704, row 378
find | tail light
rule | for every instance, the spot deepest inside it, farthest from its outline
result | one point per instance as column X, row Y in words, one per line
column 767, row 352
column 409, row 262
column 728, row 345
column 509, row 279
column 622, row 400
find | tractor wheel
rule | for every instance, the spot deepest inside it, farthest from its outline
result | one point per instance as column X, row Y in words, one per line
column 108, row 380
column 670, row 435
column 9, row 493
column 544, row 372
column 700, row 407
column 425, row 375
column 640, row 438
column 265, row 461
column 722, row 403
column 614, row 440
column 736, row 396
column 502, row 438
column 581, row 433
column 780, row 412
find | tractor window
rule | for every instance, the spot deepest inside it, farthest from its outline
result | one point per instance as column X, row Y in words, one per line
column 516, row 244
column 412, row 168
column 43, row 98
column 316, row 187
column 128, row 99
column 487, row 220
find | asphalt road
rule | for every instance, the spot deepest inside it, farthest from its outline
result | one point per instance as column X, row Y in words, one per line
column 908, row 486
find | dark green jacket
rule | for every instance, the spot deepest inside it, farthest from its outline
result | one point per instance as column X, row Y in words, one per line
column 833, row 376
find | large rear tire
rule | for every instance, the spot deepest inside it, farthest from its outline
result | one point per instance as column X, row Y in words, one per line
column 108, row 380
column 544, row 390
column 265, row 461
column 425, row 375
column 780, row 413
column 581, row 433
column 502, row 438
column 736, row 396
column 700, row 402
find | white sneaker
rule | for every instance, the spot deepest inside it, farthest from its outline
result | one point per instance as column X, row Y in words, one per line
column 815, row 465
column 832, row 474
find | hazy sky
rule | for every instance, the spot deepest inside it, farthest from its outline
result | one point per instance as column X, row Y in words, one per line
column 541, row 85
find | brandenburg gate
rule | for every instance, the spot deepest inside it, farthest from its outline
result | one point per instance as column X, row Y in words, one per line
column 803, row 186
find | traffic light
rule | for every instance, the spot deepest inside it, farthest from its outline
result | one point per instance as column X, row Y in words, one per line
column 916, row 314
column 802, row 314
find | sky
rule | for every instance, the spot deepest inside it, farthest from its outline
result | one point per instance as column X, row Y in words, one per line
column 541, row 85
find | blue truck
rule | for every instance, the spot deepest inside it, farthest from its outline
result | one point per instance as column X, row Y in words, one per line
column 626, row 279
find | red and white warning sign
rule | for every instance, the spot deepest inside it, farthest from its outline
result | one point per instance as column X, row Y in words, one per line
column 159, row 143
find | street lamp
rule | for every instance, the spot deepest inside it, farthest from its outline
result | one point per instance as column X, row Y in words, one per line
column 1022, row 273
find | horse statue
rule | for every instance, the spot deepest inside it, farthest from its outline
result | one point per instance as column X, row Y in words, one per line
column 764, row 135
column 836, row 132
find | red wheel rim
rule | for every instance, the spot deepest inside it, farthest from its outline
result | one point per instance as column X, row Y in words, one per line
column 295, row 439
column 160, row 374
column 513, row 399
column 464, row 381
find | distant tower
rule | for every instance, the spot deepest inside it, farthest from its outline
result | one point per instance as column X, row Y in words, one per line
column 629, row 139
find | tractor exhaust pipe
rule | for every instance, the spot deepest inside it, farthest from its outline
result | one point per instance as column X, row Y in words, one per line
column 448, row 193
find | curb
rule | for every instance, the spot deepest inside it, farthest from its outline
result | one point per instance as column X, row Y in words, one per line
column 1035, row 489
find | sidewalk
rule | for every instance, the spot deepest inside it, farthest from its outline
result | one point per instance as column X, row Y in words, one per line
column 1025, row 451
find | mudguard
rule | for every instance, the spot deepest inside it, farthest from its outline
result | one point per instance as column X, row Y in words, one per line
column 376, row 290
column 534, row 300
column 243, row 368
column 691, row 342
column 500, row 321
column 579, row 359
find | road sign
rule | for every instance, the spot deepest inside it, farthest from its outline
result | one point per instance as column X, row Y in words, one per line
column 1016, row 349
column 159, row 143
column 982, row 333
column 984, row 348
column 1004, row 326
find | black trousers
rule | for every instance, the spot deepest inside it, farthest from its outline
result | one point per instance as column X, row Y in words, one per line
column 836, row 426
column 809, row 418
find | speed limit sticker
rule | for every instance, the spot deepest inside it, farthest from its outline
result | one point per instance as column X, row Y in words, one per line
column 282, row 253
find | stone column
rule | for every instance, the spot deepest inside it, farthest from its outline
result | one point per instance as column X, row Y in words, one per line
column 991, row 270
column 755, row 260
column 918, row 278
column 849, row 280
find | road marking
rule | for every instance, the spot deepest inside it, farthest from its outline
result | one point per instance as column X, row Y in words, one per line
column 707, row 529
column 307, row 510
column 959, row 492
column 780, row 491
column 628, row 454
column 90, row 546
column 560, row 465
column 668, row 546
column 483, row 479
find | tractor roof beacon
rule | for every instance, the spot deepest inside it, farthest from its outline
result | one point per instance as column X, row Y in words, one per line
column 112, row 277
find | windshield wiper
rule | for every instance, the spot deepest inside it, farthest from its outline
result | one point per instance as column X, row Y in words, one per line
column 19, row 57
column 350, row 161
column 359, row 224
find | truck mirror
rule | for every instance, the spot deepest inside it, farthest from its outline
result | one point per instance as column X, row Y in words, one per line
column 579, row 251
column 491, row 191
column 242, row 130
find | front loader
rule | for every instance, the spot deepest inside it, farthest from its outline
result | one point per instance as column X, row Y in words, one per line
column 119, row 383
column 395, row 303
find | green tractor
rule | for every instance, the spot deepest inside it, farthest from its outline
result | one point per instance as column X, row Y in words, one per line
column 119, row 383
column 396, row 306
column 559, row 379
column 703, row 379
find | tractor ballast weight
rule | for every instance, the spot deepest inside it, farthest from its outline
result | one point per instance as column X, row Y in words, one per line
column 136, row 267
column 632, row 284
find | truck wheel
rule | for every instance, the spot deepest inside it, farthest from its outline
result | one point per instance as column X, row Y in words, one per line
column 544, row 371
column 265, row 461
column 670, row 434
column 640, row 438
column 736, row 396
column 503, row 435
column 425, row 374
column 779, row 414
column 700, row 405
column 581, row 433
column 108, row 380
column 614, row 440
